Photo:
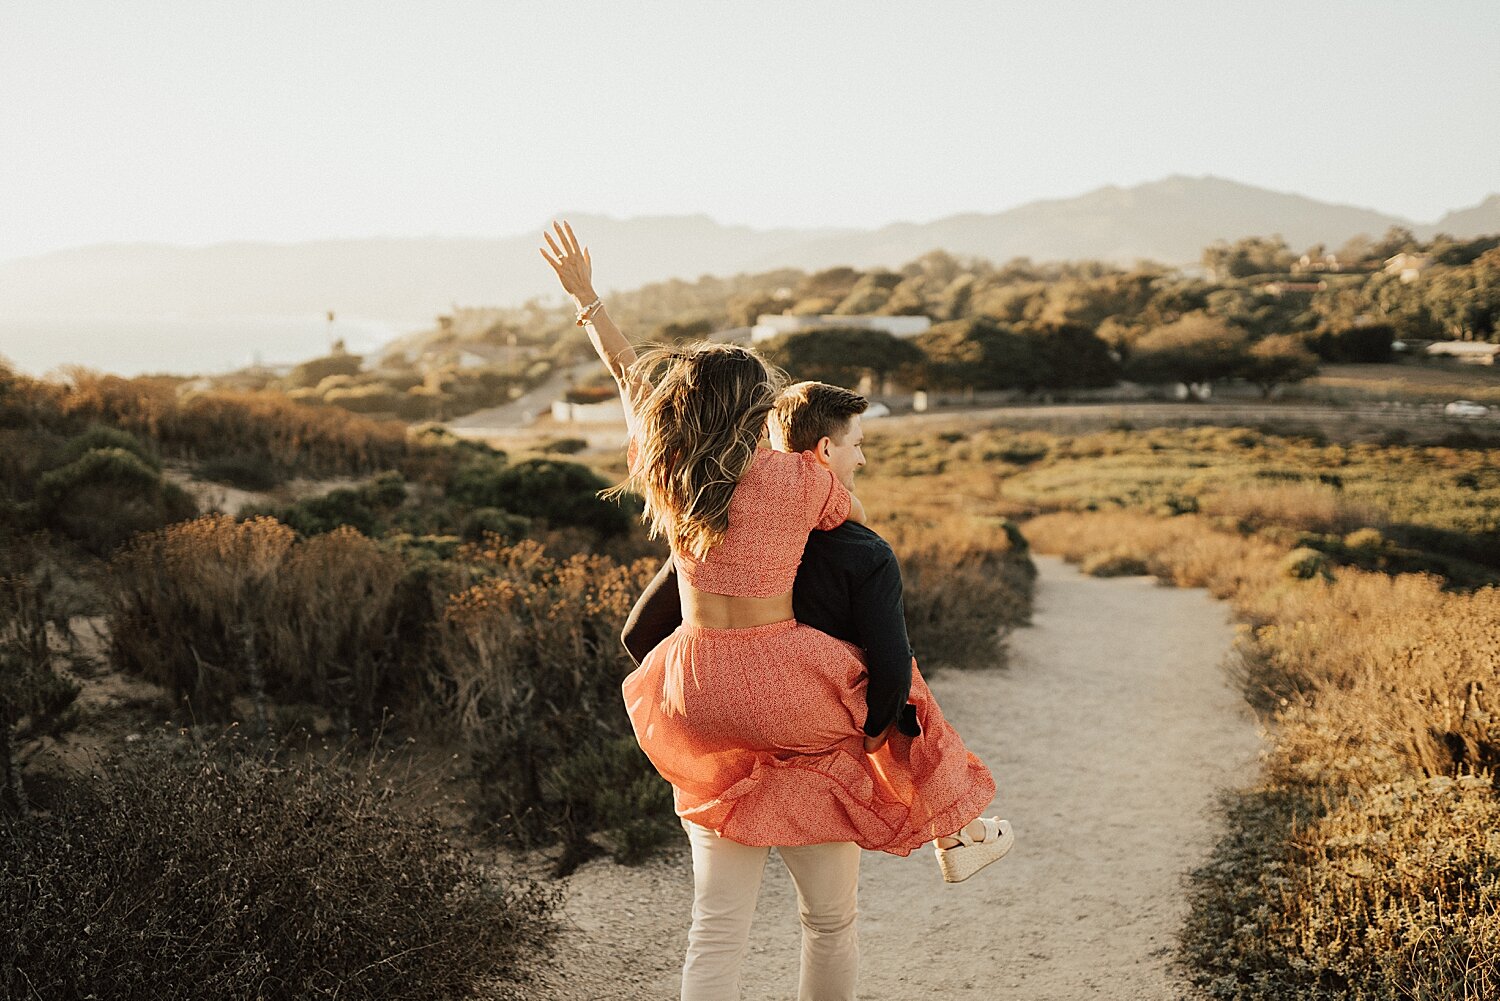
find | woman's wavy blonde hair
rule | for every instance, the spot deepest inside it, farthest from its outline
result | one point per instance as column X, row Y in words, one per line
column 703, row 413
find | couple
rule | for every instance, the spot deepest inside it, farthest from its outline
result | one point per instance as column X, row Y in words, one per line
column 784, row 709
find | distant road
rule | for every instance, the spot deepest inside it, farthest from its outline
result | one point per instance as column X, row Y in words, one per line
column 1249, row 413
column 520, row 412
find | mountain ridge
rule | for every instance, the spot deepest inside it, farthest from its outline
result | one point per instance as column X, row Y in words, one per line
column 409, row 279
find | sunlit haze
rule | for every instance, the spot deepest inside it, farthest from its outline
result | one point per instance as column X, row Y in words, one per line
column 191, row 122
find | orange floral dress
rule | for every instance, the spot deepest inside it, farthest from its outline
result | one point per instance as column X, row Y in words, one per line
column 769, row 747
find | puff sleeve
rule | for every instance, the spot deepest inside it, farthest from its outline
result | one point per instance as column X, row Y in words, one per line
column 827, row 501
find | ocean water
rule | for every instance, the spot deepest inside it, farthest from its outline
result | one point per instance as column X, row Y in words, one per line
column 137, row 345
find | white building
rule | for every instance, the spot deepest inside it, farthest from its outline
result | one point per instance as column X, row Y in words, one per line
column 1469, row 352
column 769, row 325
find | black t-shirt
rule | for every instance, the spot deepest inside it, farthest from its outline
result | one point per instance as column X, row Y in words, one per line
column 848, row 586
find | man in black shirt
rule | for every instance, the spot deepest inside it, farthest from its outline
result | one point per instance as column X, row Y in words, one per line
column 849, row 582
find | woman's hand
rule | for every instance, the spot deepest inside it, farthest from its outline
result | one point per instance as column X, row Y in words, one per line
column 572, row 264
column 873, row 744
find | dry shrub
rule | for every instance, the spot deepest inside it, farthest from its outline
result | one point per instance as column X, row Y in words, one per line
column 967, row 583
column 187, row 603
column 531, row 671
column 320, row 441
column 1412, row 869
column 226, row 870
column 332, row 628
column 1312, row 507
column 215, row 609
column 1183, row 551
column 1114, row 563
column 1366, row 864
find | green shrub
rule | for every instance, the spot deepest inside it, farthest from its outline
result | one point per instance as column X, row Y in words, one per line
column 1305, row 563
column 366, row 508
column 510, row 527
column 235, row 871
column 102, row 436
column 245, row 470
column 561, row 493
column 564, row 446
column 106, row 496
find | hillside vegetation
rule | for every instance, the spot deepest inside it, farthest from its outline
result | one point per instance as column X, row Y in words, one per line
column 1261, row 314
column 450, row 603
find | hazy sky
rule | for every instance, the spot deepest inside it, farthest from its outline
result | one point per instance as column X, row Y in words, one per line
column 196, row 121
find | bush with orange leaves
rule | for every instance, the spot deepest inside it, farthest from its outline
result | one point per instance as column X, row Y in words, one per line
column 1366, row 864
column 532, row 666
column 214, row 610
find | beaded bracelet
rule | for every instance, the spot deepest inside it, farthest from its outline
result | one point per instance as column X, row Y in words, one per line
column 586, row 314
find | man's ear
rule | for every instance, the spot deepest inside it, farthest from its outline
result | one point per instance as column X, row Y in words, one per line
column 823, row 448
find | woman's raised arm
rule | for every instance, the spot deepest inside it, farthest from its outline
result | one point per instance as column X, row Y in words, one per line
column 575, row 269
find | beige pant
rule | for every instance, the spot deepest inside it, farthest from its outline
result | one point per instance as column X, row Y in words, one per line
column 726, row 883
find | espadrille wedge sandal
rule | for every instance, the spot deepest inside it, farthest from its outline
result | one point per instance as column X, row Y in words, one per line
column 969, row 856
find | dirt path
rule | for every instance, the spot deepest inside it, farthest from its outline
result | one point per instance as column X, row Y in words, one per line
column 1108, row 735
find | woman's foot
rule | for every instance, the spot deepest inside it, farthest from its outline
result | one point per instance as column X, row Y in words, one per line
column 978, row 844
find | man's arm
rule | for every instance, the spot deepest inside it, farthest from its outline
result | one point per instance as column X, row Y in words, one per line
column 879, row 620
column 657, row 612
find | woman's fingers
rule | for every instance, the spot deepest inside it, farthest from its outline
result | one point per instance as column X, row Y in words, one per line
column 555, row 248
column 548, row 258
column 572, row 240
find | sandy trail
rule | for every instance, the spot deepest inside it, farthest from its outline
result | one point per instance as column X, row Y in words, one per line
column 1108, row 735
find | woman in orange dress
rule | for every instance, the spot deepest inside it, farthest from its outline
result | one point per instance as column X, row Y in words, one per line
column 755, row 719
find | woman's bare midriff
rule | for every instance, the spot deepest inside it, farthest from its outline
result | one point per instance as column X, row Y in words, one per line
column 707, row 610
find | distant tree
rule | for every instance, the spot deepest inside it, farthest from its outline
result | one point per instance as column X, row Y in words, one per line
column 1254, row 255
column 937, row 266
column 869, row 294
column 977, row 353
column 908, row 299
column 1072, row 357
column 1356, row 250
column 1171, row 300
column 953, row 302
column 1397, row 240
column 1010, row 303
column 746, row 310
column 831, row 283
column 1090, row 301
column 841, row 355
column 818, row 305
column 1465, row 301
column 1368, row 343
column 1277, row 360
column 1194, row 350
column 682, row 330
column 314, row 371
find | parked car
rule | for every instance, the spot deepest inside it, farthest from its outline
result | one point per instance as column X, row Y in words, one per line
column 876, row 409
column 1466, row 408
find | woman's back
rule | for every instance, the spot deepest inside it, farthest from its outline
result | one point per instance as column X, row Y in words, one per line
column 746, row 578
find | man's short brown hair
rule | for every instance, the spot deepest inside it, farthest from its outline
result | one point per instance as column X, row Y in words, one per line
column 807, row 412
